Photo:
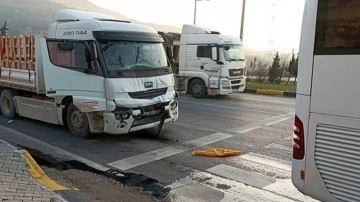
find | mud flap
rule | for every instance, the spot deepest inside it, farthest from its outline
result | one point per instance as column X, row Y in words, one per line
column 162, row 120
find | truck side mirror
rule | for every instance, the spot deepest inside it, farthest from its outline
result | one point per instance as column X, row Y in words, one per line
column 170, row 54
column 214, row 53
column 93, row 52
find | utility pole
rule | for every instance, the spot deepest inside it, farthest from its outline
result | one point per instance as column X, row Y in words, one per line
column 195, row 10
column 242, row 20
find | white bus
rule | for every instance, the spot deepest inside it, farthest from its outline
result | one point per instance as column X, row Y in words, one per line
column 326, row 139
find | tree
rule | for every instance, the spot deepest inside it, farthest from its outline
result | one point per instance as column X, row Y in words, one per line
column 290, row 68
column 296, row 68
column 275, row 69
column 293, row 67
column 260, row 71
column 283, row 66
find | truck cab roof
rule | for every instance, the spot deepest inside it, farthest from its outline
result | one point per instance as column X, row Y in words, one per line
column 75, row 24
column 193, row 34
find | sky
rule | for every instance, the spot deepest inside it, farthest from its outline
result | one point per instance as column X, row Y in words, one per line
column 270, row 25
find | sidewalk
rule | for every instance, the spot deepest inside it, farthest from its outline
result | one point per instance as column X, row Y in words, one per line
column 17, row 181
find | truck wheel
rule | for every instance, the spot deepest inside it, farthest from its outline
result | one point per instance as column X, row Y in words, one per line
column 7, row 104
column 77, row 121
column 197, row 88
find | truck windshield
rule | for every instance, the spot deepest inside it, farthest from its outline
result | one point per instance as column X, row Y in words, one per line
column 234, row 53
column 130, row 56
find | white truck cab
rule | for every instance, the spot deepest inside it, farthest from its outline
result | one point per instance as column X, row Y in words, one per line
column 210, row 63
column 99, row 74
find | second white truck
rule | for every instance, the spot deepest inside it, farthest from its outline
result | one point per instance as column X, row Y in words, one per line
column 208, row 63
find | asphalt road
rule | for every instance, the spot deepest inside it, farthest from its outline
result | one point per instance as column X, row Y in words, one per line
column 259, row 126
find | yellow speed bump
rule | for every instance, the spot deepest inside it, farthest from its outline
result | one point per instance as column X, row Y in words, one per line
column 217, row 152
column 39, row 175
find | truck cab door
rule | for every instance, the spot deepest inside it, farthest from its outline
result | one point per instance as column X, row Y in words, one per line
column 207, row 63
column 68, row 72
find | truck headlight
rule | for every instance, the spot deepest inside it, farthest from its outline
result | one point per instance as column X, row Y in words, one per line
column 122, row 115
column 225, row 83
column 173, row 105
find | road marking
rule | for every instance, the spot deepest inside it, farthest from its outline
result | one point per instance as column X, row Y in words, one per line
column 230, row 190
column 266, row 122
column 278, row 119
column 290, row 102
column 138, row 160
column 285, row 187
column 260, row 168
column 267, row 160
column 241, row 175
column 227, row 107
column 141, row 159
column 280, row 147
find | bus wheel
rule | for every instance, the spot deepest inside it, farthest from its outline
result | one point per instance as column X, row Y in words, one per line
column 77, row 121
column 197, row 88
column 7, row 104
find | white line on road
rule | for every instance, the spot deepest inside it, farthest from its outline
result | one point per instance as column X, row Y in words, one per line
column 151, row 156
column 267, row 160
column 227, row 107
column 193, row 188
column 141, row 159
column 280, row 147
column 241, row 175
column 290, row 102
column 266, row 122
column 285, row 187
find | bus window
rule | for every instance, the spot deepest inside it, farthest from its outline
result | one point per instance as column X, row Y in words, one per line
column 338, row 27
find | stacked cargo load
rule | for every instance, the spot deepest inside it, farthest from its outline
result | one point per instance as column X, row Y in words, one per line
column 18, row 61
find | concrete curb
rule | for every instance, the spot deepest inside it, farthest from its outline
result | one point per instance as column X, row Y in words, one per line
column 271, row 92
column 40, row 176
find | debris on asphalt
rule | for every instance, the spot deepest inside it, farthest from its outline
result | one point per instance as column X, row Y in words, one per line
column 217, row 152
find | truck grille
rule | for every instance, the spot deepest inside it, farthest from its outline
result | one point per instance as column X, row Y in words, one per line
column 236, row 72
column 146, row 120
column 149, row 114
column 149, row 94
column 337, row 158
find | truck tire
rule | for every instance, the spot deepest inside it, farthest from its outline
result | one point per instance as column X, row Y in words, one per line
column 77, row 121
column 197, row 88
column 7, row 104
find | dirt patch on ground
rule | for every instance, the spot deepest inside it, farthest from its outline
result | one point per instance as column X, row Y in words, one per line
column 98, row 187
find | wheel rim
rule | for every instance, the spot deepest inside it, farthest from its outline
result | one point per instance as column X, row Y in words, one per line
column 196, row 89
column 5, row 105
column 77, row 120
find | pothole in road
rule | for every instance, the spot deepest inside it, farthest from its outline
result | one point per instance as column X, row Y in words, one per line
column 102, row 185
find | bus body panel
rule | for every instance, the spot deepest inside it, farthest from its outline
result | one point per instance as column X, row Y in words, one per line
column 303, row 102
column 332, row 162
column 334, row 87
column 307, row 48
